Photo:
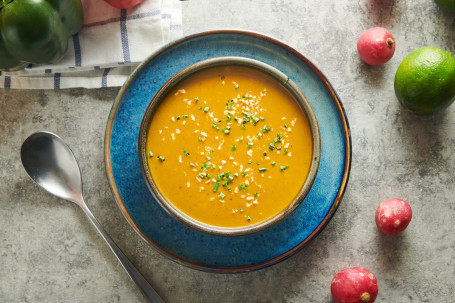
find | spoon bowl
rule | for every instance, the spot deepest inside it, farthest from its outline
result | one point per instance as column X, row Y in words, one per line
column 51, row 164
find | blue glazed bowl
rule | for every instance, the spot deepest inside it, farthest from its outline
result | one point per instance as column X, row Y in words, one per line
column 285, row 82
column 185, row 245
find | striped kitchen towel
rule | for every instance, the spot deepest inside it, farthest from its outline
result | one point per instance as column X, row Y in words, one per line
column 111, row 43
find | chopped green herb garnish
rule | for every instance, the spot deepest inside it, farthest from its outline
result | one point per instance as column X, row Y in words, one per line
column 243, row 173
column 255, row 195
column 236, row 86
column 199, row 139
column 213, row 166
column 255, row 120
column 241, row 139
column 284, row 167
column 150, row 154
column 262, row 169
column 208, row 158
column 177, row 118
column 250, row 144
column 241, row 210
column 233, row 148
column 273, row 163
column 271, row 146
column 202, row 176
column 206, row 109
column 249, row 162
column 264, row 154
column 244, row 187
column 285, row 152
column 192, row 164
column 185, row 116
column 215, row 187
column 186, row 153
column 249, row 219
column 259, row 135
column 161, row 158
column 266, row 129
column 236, row 174
column 196, row 99
column 221, row 196
column 285, row 126
column 243, row 127
column 278, row 148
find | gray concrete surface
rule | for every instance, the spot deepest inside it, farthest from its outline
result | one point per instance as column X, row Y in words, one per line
column 49, row 252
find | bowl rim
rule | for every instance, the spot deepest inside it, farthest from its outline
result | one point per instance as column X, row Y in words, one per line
column 288, row 85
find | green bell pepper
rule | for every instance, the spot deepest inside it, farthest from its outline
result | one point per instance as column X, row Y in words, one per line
column 36, row 31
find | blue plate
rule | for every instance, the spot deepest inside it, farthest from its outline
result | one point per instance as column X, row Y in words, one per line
column 207, row 252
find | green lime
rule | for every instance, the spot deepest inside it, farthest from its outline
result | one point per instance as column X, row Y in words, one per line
column 446, row 5
column 425, row 81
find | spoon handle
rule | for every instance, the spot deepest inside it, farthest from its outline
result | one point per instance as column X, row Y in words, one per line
column 146, row 289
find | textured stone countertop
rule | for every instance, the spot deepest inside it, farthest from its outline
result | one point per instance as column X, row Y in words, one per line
column 50, row 253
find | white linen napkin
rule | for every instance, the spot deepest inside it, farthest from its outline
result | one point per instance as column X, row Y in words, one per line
column 111, row 43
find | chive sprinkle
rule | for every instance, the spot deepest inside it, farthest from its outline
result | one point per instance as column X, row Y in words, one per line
column 196, row 99
column 221, row 195
column 262, row 169
column 284, row 167
column 192, row 164
column 150, row 154
column 233, row 148
column 215, row 188
column 271, row 146
column 185, row 116
column 250, row 144
column 249, row 219
column 206, row 109
column 161, row 158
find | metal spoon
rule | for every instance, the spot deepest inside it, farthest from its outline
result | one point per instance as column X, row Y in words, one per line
column 52, row 165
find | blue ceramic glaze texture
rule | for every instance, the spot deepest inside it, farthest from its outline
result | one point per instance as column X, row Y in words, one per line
column 193, row 248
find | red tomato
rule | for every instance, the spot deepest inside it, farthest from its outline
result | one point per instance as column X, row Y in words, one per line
column 124, row 3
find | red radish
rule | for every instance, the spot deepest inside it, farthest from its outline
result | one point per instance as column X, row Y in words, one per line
column 124, row 3
column 354, row 285
column 376, row 46
column 393, row 216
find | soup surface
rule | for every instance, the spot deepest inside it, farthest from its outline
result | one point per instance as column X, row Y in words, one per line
column 229, row 147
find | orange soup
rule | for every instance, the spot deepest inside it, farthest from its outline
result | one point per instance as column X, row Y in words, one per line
column 229, row 147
